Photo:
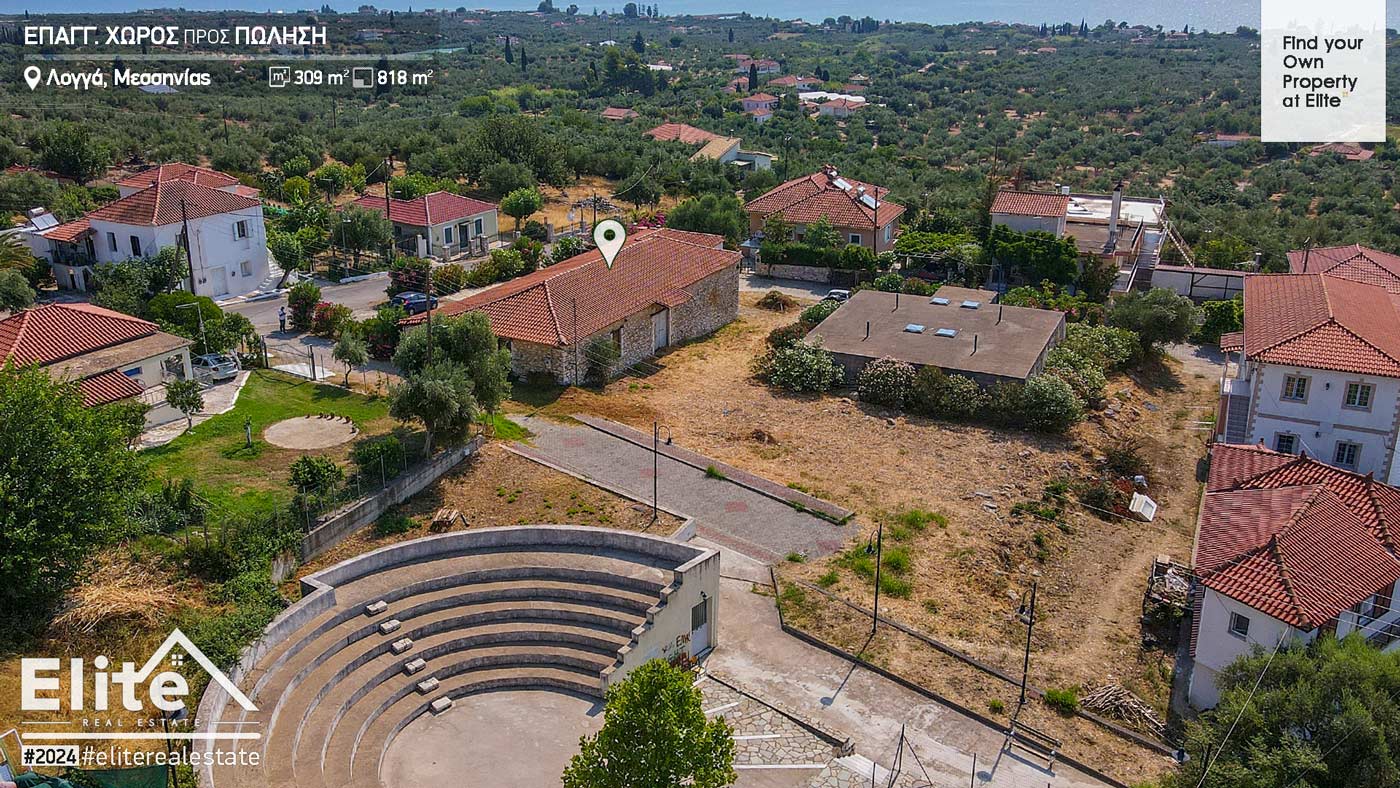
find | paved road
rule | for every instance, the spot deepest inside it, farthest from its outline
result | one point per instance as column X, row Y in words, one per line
column 784, row 670
column 724, row 512
column 363, row 297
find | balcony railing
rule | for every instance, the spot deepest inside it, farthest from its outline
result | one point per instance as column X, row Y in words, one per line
column 1385, row 635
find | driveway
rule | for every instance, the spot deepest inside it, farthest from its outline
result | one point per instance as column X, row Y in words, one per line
column 739, row 517
column 870, row 709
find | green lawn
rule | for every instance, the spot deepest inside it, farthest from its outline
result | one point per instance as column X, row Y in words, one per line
column 239, row 480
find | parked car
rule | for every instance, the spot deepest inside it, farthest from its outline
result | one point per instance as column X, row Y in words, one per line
column 413, row 302
column 215, row 366
column 839, row 296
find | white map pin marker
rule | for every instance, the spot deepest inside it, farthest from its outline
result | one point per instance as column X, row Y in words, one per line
column 608, row 235
column 31, row 75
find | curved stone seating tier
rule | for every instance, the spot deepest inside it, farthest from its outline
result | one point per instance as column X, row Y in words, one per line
column 528, row 607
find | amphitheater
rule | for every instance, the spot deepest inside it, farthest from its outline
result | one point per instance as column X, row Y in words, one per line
column 434, row 654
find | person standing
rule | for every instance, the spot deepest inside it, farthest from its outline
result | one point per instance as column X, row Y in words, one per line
column 282, row 319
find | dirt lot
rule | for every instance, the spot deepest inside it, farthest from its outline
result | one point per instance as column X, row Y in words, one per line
column 966, row 577
column 498, row 488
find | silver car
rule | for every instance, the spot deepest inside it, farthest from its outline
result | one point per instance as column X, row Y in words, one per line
column 215, row 366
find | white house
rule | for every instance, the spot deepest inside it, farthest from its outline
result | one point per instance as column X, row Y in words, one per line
column 227, row 238
column 1317, row 371
column 111, row 356
column 1288, row 548
column 1029, row 211
column 440, row 224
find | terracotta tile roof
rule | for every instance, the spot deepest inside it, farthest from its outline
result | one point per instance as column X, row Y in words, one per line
column 843, row 103
column 159, row 204
column 68, row 232
column 618, row 113
column 1348, row 150
column 108, row 387
column 1321, row 322
column 1355, row 262
column 430, row 209
column 653, row 267
column 826, row 193
column 54, row 332
column 178, row 171
column 1292, row 537
column 761, row 97
column 792, row 81
column 1232, row 341
column 680, row 132
column 1030, row 203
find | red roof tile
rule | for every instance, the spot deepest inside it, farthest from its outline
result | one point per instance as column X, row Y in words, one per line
column 1293, row 537
column 1355, row 262
column 680, row 132
column 54, row 332
column 108, row 387
column 1321, row 322
column 428, row 210
column 160, row 204
column 761, row 97
column 826, row 193
column 1030, row 203
column 653, row 267
column 1348, row 150
column 68, row 232
column 618, row 113
column 178, row 171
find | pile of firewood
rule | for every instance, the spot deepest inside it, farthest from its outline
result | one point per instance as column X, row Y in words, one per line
column 1111, row 700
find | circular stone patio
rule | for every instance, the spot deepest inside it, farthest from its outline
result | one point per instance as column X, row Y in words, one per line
column 311, row 432
column 503, row 739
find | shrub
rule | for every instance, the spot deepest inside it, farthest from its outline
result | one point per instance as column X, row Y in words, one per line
column 854, row 257
column 799, row 367
column 776, row 301
column 483, row 273
column 535, row 231
column 938, row 395
column 787, row 335
column 1158, row 316
column 448, row 279
column 301, row 302
column 888, row 283
column 1109, row 347
column 1065, row 701
column 916, row 286
column 1219, row 317
column 1083, row 375
column 603, row 356
column 409, row 275
column 1048, row 404
column 381, row 332
column 381, row 459
column 996, row 706
column 311, row 472
column 818, row 312
column 393, row 523
column 885, row 381
column 1124, row 457
column 328, row 320
column 1101, row 496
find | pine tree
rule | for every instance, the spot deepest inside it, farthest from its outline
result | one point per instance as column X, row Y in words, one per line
column 510, row 56
column 638, row 45
column 731, row 35
column 523, row 60
column 753, row 76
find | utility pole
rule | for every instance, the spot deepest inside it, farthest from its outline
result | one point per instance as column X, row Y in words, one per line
column 1027, row 616
column 224, row 108
column 428, row 302
column 879, row 550
column 185, row 229
column 388, row 211
column 655, row 469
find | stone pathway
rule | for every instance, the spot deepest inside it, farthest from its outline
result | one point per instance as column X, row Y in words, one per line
column 218, row 399
column 727, row 513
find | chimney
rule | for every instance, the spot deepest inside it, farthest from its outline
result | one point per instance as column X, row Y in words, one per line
column 998, row 314
column 974, row 344
column 867, row 330
column 1115, row 210
column 1064, row 190
column 896, row 302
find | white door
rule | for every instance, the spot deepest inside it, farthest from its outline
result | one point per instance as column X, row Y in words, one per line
column 660, row 329
column 216, row 282
column 700, row 628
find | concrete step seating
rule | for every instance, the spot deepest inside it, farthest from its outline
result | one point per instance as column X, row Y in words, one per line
column 333, row 694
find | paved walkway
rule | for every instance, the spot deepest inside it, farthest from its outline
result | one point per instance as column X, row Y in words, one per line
column 869, row 708
column 725, row 512
column 219, row 398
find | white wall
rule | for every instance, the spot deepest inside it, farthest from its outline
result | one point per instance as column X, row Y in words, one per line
column 1025, row 224
column 1217, row 647
column 1322, row 421
column 488, row 228
column 222, row 264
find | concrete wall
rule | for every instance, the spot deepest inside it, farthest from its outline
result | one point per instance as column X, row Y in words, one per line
column 666, row 633
column 1025, row 224
column 341, row 523
column 805, row 273
column 1202, row 284
column 1321, row 421
column 1217, row 646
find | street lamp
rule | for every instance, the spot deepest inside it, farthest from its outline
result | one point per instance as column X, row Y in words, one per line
column 1026, row 615
column 878, row 550
column 656, row 465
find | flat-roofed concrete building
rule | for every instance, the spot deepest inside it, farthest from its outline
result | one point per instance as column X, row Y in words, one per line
column 958, row 330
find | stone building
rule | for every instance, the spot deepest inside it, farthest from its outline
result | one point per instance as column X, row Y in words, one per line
column 665, row 287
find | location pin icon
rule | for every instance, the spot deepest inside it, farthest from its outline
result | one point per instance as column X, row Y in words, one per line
column 31, row 75
column 608, row 236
